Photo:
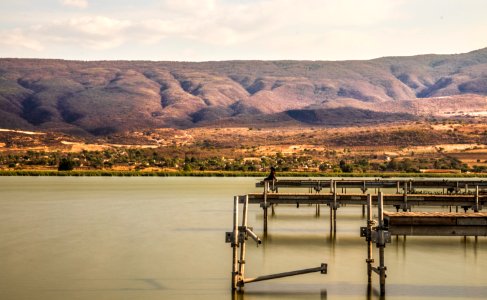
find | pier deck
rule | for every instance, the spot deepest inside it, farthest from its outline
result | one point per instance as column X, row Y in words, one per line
column 361, row 199
column 436, row 223
column 423, row 183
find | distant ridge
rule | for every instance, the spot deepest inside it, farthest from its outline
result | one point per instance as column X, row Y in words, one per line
column 105, row 97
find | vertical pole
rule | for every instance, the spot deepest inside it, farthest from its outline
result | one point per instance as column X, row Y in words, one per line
column 266, row 188
column 241, row 270
column 334, row 220
column 397, row 188
column 381, row 245
column 334, row 207
column 476, row 199
column 364, row 190
column 331, row 217
column 369, row 240
column 405, row 198
column 235, row 244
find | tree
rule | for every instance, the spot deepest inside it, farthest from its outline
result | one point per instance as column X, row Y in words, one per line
column 187, row 168
column 65, row 165
column 346, row 168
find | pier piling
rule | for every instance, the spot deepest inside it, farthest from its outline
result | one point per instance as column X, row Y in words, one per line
column 234, row 245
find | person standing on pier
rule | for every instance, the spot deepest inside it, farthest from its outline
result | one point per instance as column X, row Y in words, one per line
column 272, row 175
column 271, row 179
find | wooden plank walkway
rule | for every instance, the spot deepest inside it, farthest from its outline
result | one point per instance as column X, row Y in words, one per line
column 361, row 199
column 378, row 183
column 436, row 223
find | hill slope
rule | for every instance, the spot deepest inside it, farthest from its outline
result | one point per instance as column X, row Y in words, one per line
column 104, row 97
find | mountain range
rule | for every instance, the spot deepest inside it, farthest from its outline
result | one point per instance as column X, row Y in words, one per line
column 106, row 97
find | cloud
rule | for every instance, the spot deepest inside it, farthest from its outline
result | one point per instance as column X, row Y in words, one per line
column 189, row 7
column 75, row 3
column 95, row 32
column 253, row 29
column 211, row 22
column 16, row 38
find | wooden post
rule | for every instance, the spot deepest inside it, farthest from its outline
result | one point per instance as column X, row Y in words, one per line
column 397, row 187
column 235, row 244
column 381, row 245
column 241, row 270
column 369, row 260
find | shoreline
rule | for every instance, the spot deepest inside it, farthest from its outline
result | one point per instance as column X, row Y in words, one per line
column 110, row 173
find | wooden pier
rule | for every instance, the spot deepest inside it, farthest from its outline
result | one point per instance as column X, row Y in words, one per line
column 469, row 201
column 455, row 185
column 465, row 194
column 436, row 223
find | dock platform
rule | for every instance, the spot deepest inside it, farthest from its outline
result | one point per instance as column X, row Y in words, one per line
column 468, row 194
column 436, row 223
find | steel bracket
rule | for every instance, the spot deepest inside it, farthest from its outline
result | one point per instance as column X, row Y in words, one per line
column 380, row 237
column 229, row 237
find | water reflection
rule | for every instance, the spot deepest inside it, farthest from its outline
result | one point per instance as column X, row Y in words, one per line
column 369, row 292
column 274, row 294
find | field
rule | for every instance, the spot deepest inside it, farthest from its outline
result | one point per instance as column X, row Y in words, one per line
column 400, row 147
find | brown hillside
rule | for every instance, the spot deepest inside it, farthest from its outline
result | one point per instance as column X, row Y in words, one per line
column 104, row 97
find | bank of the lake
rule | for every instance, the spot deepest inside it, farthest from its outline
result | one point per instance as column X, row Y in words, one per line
column 110, row 173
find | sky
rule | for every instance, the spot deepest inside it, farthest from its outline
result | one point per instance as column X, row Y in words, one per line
column 209, row 30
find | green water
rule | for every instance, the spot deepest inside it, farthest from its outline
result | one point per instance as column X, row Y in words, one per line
column 163, row 238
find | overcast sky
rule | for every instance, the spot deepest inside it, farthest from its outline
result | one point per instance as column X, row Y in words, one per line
column 200, row 30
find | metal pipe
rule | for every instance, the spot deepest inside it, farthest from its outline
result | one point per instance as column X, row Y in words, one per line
column 254, row 236
column 322, row 269
column 369, row 260
column 235, row 244
column 476, row 198
column 381, row 244
column 265, row 205
column 241, row 269
column 334, row 220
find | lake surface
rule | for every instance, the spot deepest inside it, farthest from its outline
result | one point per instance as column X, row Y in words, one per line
column 163, row 238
